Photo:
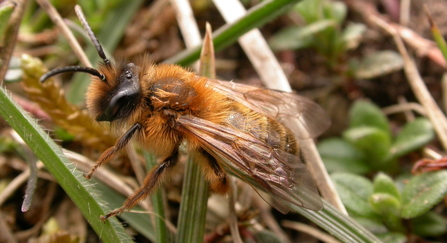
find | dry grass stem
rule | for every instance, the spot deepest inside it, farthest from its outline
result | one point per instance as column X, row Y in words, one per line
column 268, row 219
column 398, row 108
column 422, row 46
column 59, row 22
column 6, row 235
column 444, row 91
column 11, row 32
column 233, row 222
column 310, row 231
column 421, row 92
column 256, row 48
column 405, row 12
column 16, row 183
column 188, row 25
column 430, row 153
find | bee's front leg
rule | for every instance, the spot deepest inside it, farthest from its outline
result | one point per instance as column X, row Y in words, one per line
column 122, row 141
column 151, row 181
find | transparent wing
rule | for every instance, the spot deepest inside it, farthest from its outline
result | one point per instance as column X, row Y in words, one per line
column 304, row 117
column 280, row 174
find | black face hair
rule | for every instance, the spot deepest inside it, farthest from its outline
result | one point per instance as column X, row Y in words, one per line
column 123, row 99
column 98, row 47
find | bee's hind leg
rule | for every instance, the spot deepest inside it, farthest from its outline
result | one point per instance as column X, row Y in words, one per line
column 213, row 173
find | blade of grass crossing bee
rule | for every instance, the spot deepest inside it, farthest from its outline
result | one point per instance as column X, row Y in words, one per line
column 158, row 217
column 195, row 188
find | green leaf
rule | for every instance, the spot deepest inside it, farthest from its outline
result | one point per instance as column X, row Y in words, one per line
column 310, row 10
column 340, row 156
column 372, row 141
column 384, row 184
column 298, row 37
column 385, row 204
column 392, row 237
column 6, row 9
column 423, row 192
column 429, row 224
column 438, row 36
column 413, row 136
column 354, row 192
column 336, row 10
column 365, row 113
column 379, row 63
column 388, row 207
column 352, row 35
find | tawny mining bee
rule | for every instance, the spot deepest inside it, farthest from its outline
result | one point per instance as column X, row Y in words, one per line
column 246, row 131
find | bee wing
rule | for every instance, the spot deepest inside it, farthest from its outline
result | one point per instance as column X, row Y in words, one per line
column 305, row 118
column 280, row 174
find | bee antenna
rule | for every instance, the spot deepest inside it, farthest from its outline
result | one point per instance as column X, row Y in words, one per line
column 71, row 69
column 92, row 36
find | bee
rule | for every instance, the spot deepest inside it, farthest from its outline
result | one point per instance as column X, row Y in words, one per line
column 250, row 132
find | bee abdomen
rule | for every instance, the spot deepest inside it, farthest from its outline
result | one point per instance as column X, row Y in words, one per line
column 266, row 129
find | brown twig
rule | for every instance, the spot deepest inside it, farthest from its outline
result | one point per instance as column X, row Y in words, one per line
column 421, row 92
column 422, row 46
column 57, row 19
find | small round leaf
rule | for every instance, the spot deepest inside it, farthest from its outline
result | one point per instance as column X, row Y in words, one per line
column 364, row 113
column 340, row 156
column 373, row 142
column 384, row 184
column 413, row 136
column 423, row 192
column 429, row 224
column 354, row 191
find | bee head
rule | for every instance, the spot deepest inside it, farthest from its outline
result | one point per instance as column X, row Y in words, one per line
column 118, row 95
column 115, row 89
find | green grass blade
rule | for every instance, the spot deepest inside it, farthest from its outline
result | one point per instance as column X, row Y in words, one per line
column 338, row 224
column 191, row 223
column 6, row 9
column 437, row 35
column 109, row 36
column 229, row 33
column 161, row 230
column 193, row 207
column 62, row 169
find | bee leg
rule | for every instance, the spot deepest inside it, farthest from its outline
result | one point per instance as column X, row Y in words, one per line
column 150, row 182
column 106, row 155
column 214, row 174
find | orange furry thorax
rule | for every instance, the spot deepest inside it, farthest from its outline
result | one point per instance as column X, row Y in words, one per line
column 162, row 87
